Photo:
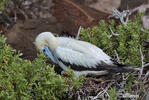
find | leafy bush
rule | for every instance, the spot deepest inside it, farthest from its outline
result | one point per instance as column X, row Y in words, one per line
column 25, row 80
column 2, row 4
column 112, row 93
column 127, row 44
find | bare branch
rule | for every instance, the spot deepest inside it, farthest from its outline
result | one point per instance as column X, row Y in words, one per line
column 77, row 37
column 15, row 16
column 102, row 93
column 146, row 65
column 113, row 34
column 142, row 61
column 147, row 96
column 145, row 77
column 141, row 8
column 24, row 14
column 110, row 47
column 121, row 15
column 118, row 59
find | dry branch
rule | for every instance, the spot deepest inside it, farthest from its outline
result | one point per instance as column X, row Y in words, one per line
column 118, row 59
column 142, row 61
column 141, row 8
column 113, row 34
column 77, row 37
column 123, row 16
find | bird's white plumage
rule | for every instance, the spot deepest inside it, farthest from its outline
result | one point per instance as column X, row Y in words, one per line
column 66, row 50
column 75, row 57
column 80, row 53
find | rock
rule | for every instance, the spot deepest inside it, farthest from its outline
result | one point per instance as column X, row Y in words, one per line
column 22, row 35
column 130, row 4
column 72, row 15
column 104, row 5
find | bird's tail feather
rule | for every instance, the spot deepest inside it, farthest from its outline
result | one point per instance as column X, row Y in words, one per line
column 120, row 68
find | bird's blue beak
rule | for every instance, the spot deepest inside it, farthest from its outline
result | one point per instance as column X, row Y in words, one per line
column 47, row 52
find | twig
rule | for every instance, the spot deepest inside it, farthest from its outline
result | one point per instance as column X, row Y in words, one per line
column 15, row 16
column 141, row 8
column 118, row 59
column 77, row 37
column 24, row 14
column 145, row 77
column 147, row 96
column 101, row 93
column 123, row 83
column 146, row 65
column 79, row 97
column 142, row 61
column 121, row 15
column 110, row 47
column 113, row 34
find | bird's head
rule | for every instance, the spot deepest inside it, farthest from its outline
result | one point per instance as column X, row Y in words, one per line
column 46, row 42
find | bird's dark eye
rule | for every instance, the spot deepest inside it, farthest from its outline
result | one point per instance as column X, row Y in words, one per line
column 44, row 50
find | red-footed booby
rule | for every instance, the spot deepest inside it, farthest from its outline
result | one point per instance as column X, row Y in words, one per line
column 84, row 58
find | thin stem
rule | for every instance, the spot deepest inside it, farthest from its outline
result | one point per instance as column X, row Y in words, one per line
column 142, row 61
column 77, row 37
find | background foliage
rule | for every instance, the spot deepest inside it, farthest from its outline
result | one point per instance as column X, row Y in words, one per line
column 127, row 44
column 26, row 80
column 127, row 41
column 2, row 4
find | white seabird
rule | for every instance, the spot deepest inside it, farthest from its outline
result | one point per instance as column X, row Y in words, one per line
column 84, row 58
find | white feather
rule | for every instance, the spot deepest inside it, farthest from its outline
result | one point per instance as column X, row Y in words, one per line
column 80, row 53
column 73, row 51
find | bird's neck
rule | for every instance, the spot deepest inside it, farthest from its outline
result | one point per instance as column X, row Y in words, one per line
column 53, row 44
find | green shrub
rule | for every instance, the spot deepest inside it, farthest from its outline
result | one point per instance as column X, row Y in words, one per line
column 127, row 44
column 2, row 4
column 25, row 80
column 131, row 38
column 112, row 93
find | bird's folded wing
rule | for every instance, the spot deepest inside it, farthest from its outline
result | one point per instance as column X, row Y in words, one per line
column 85, row 48
column 76, row 59
column 81, row 61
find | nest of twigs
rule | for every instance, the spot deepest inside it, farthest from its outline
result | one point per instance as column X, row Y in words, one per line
column 96, row 88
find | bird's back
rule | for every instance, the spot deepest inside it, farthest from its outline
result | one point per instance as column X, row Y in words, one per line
column 84, row 48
